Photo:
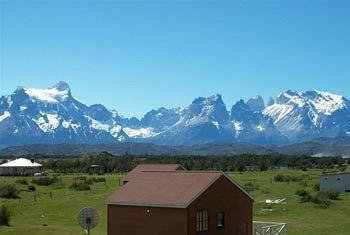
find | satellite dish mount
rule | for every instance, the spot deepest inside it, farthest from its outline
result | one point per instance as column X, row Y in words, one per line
column 88, row 218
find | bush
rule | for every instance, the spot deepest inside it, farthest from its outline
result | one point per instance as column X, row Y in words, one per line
column 82, row 186
column 317, row 187
column 83, row 178
column 91, row 180
column 45, row 180
column 287, row 178
column 99, row 179
column 9, row 191
column 331, row 194
column 279, row 178
column 306, row 198
column 31, row 188
column 5, row 216
column 321, row 200
column 305, row 195
column 250, row 186
column 301, row 192
column 22, row 181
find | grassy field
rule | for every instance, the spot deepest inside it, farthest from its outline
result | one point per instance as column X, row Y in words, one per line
column 57, row 215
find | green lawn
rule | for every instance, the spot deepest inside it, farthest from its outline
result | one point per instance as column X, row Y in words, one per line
column 57, row 215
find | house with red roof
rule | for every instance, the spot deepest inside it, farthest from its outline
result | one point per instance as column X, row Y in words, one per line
column 163, row 201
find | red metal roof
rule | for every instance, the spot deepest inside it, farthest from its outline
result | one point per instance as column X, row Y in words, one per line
column 164, row 188
column 152, row 167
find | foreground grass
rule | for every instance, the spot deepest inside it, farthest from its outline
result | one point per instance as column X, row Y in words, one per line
column 302, row 218
column 57, row 215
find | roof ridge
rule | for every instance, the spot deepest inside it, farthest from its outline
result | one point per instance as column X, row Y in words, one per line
column 182, row 172
column 145, row 164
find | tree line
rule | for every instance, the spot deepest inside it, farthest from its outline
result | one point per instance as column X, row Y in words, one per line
column 104, row 162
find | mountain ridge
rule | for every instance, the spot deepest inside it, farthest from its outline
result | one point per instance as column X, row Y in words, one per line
column 317, row 148
column 54, row 116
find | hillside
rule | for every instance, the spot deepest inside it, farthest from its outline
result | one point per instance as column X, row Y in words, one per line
column 319, row 147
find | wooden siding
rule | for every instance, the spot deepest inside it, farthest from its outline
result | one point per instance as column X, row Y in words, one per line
column 134, row 220
column 222, row 196
column 225, row 197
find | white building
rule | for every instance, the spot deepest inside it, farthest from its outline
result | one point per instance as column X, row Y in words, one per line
column 336, row 181
column 20, row 166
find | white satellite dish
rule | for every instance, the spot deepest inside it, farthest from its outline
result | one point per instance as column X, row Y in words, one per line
column 88, row 218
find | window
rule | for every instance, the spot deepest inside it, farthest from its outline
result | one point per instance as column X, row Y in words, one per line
column 202, row 220
column 220, row 220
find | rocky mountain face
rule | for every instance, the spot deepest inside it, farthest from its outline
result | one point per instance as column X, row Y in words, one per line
column 204, row 120
column 54, row 116
column 308, row 115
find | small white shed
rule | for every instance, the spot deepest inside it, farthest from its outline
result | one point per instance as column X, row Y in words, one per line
column 20, row 166
column 335, row 181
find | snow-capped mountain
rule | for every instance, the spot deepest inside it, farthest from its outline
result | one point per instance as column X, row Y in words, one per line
column 252, row 126
column 154, row 122
column 204, row 120
column 309, row 115
column 53, row 115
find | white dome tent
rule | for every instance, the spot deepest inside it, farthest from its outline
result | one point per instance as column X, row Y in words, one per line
column 20, row 166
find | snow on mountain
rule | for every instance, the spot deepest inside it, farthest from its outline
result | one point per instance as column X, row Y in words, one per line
column 140, row 133
column 206, row 109
column 306, row 115
column 5, row 115
column 254, row 127
column 161, row 119
column 204, row 120
column 53, row 115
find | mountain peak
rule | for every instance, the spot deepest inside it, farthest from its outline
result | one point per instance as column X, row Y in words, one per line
column 61, row 86
column 208, row 100
column 256, row 103
column 270, row 102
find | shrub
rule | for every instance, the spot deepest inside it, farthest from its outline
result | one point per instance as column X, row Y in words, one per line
column 9, row 191
column 91, row 180
column 301, row 192
column 321, row 200
column 305, row 195
column 306, row 198
column 5, row 216
column 287, row 178
column 99, row 179
column 45, row 180
column 31, row 188
column 22, row 181
column 250, row 186
column 81, row 186
column 317, row 187
column 83, row 178
column 279, row 178
column 331, row 194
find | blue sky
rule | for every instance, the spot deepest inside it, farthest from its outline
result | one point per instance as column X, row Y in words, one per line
column 138, row 55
